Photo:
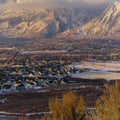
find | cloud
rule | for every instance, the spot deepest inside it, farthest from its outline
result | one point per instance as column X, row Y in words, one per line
column 55, row 3
column 65, row 3
column 93, row 1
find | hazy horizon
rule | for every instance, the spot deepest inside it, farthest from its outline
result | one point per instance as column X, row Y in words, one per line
column 97, row 4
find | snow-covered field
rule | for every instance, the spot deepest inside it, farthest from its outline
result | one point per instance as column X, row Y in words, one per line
column 98, row 70
column 107, row 66
column 98, row 75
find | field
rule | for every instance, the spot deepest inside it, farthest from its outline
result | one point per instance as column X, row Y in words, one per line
column 99, row 70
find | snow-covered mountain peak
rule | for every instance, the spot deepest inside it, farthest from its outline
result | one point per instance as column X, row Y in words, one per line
column 105, row 25
column 117, row 5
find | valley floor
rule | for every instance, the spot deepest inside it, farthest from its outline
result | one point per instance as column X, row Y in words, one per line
column 30, row 74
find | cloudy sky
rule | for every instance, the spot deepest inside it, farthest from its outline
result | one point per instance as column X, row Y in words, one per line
column 57, row 3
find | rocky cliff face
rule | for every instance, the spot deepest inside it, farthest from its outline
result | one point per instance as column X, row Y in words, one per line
column 106, row 25
column 29, row 23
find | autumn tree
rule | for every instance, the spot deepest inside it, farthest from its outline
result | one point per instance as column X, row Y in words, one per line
column 108, row 105
column 70, row 107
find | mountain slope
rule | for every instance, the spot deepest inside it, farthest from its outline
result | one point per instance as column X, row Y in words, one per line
column 29, row 23
column 106, row 25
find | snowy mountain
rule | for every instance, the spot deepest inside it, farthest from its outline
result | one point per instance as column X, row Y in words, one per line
column 64, row 22
column 106, row 25
column 41, row 22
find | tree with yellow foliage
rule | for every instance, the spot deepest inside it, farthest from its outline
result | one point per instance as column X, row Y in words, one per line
column 70, row 107
column 108, row 105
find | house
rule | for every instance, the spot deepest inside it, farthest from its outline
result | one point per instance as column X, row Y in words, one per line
column 20, row 87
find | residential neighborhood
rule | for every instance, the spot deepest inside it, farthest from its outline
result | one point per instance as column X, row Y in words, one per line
column 33, row 76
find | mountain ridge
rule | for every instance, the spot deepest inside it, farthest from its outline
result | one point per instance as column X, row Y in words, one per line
column 40, row 22
column 105, row 25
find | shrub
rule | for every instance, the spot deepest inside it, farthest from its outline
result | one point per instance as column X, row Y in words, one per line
column 108, row 105
column 69, row 108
